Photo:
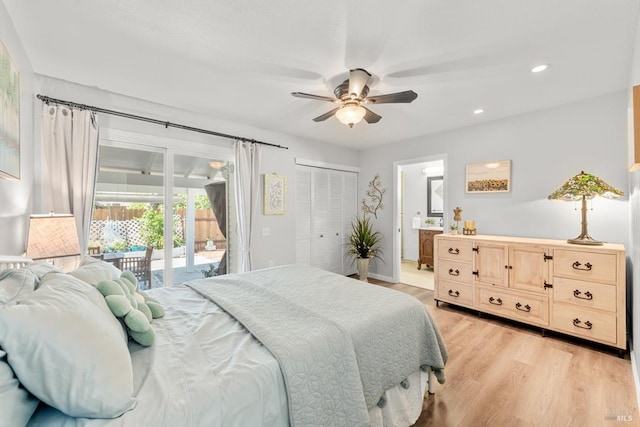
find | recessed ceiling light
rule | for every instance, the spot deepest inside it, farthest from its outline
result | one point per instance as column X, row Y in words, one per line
column 539, row 68
column 478, row 111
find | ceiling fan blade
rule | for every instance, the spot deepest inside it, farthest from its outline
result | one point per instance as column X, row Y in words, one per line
column 370, row 116
column 326, row 115
column 398, row 97
column 315, row 97
column 358, row 78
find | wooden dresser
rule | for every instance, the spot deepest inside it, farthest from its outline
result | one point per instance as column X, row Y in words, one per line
column 425, row 246
column 573, row 289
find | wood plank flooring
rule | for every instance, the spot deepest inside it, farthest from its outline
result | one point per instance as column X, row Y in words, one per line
column 502, row 373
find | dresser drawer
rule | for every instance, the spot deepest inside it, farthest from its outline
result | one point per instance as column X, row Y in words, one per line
column 516, row 305
column 455, row 293
column 590, row 266
column 585, row 294
column 592, row 324
column 455, row 249
column 455, row 270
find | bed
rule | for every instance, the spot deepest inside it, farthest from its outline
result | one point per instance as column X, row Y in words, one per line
column 228, row 353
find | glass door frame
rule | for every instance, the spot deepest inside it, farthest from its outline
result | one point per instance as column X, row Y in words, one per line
column 168, row 148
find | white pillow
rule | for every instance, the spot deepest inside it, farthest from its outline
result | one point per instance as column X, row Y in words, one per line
column 93, row 270
column 68, row 350
column 43, row 268
column 16, row 404
column 16, row 284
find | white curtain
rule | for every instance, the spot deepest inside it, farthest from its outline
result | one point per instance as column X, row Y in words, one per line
column 70, row 152
column 247, row 195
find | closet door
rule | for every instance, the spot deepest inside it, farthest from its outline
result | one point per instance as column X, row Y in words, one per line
column 336, row 219
column 320, row 221
column 326, row 202
column 349, row 211
column 303, row 215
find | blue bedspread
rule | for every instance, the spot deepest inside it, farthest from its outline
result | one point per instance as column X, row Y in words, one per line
column 340, row 343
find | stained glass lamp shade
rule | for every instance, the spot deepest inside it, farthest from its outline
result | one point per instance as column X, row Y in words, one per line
column 580, row 188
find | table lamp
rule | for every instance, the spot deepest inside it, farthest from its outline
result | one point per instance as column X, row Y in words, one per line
column 580, row 188
column 52, row 236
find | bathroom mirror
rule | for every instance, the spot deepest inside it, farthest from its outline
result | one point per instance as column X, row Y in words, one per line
column 435, row 196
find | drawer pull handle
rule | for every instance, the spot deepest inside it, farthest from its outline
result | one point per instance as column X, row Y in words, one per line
column 494, row 301
column 454, row 294
column 577, row 323
column 587, row 267
column 526, row 308
column 455, row 251
column 587, row 295
column 453, row 272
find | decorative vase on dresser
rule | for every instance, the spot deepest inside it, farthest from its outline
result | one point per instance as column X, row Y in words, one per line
column 572, row 289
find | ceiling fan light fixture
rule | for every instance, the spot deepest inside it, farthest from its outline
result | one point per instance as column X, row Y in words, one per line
column 351, row 114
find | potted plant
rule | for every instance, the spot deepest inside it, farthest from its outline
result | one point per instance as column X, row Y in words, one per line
column 211, row 272
column 454, row 228
column 430, row 221
column 363, row 245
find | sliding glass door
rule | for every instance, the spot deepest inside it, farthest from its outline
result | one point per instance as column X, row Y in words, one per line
column 152, row 197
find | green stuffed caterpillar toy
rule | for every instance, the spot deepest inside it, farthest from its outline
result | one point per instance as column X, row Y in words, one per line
column 136, row 309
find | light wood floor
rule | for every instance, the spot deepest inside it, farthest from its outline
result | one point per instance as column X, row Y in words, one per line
column 410, row 275
column 502, row 373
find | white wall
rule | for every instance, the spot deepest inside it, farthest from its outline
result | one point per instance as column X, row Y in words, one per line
column 15, row 196
column 279, row 246
column 633, row 257
column 545, row 148
column 415, row 200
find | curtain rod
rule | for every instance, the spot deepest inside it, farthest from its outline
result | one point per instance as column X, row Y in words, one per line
column 47, row 100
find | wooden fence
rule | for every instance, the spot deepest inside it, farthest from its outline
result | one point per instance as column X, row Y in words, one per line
column 206, row 225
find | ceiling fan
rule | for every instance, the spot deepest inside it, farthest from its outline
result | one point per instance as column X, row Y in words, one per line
column 351, row 95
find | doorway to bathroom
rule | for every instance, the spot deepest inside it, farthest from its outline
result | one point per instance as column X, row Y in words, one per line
column 419, row 214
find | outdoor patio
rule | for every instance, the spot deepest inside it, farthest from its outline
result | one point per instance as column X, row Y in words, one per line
column 202, row 259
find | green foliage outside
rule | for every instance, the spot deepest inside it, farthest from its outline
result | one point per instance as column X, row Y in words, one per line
column 152, row 228
column 211, row 272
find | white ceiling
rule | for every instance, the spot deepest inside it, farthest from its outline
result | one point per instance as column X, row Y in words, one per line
column 240, row 60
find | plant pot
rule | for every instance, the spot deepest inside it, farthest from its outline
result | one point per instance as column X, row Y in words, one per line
column 363, row 268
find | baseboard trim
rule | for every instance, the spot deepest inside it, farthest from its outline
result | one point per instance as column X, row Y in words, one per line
column 381, row 277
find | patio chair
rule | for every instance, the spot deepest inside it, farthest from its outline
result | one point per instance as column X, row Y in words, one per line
column 94, row 251
column 139, row 266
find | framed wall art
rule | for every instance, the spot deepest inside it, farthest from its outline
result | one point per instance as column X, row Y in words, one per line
column 489, row 177
column 10, row 117
column 275, row 191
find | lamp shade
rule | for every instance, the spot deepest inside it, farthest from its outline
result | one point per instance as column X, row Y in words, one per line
column 351, row 114
column 587, row 185
column 580, row 188
column 52, row 236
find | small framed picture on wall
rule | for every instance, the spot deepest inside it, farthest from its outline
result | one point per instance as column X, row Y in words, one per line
column 275, row 192
column 489, row 177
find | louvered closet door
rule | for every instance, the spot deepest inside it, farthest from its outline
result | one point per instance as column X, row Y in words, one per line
column 336, row 197
column 320, row 222
column 349, row 211
column 303, row 215
column 326, row 202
